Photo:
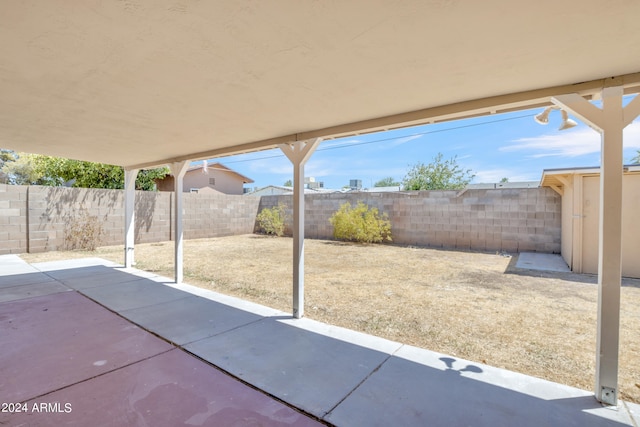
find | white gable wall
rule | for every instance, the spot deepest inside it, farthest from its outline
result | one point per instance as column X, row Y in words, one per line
column 213, row 179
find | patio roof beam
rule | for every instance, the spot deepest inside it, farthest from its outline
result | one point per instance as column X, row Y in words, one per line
column 178, row 170
column 454, row 111
column 299, row 153
column 609, row 121
column 129, row 215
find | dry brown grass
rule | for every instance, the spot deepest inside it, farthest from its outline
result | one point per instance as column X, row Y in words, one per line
column 476, row 306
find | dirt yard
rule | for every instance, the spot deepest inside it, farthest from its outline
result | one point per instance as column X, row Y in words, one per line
column 476, row 306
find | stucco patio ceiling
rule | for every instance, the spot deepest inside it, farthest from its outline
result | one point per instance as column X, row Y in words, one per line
column 144, row 82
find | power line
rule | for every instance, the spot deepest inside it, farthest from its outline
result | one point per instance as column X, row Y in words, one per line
column 354, row 144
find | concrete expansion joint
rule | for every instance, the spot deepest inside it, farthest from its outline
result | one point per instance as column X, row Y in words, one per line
column 224, row 332
column 248, row 384
column 362, row 382
column 96, row 376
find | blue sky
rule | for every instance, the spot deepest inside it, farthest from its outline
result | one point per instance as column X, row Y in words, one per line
column 508, row 145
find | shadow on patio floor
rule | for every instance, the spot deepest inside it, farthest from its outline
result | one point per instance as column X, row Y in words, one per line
column 59, row 346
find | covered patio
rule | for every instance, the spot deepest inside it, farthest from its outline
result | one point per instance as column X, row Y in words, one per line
column 142, row 84
column 91, row 342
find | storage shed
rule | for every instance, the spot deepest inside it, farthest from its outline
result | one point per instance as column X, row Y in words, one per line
column 580, row 191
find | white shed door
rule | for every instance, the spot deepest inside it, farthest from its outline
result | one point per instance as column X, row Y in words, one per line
column 630, row 224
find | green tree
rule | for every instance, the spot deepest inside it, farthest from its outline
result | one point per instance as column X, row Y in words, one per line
column 438, row 175
column 6, row 156
column 386, row 182
column 636, row 159
column 48, row 170
column 146, row 179
column 94, row 175
column 288, row 183
column 21, row 170
column 504, row 180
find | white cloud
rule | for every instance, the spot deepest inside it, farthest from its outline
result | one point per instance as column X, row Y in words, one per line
column 323, row 167
column 377, row 173
column 276, row 166
column 570, row 144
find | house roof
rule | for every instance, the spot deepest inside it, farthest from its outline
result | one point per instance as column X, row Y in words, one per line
column 503, row 185
column 554, row 177
column 289, row 190
column 269, row 190
column 388, row 189
column 221, row 167
column 141, row 83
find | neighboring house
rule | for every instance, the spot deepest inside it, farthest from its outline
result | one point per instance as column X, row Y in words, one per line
column 310, row 182
column 518, row 184
column 580, row 191
column 278, row 190
column 389, row 189
column 271, row 190
column 215, row 178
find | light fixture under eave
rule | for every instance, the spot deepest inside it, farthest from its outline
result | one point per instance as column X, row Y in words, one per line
column 543, row 118
column 567, row 123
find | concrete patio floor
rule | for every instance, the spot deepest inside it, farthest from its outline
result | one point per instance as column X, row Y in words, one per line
column 87, row 342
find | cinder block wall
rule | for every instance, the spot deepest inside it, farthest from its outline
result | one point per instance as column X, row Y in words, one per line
column 13, row 219
column 217, row 215
column 512, row 220
column 153, row 217
column 37, row 219
column 54, row 212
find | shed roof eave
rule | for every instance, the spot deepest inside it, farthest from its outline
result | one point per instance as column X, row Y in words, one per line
column 547, row 174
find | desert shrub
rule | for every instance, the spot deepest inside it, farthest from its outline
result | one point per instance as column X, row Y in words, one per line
column 271, row 221
column 360, row 224
column 83, row 231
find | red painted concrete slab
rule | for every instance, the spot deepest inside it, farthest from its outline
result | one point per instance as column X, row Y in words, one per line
column 172, row 389
column 56, row 340
column 30, row 291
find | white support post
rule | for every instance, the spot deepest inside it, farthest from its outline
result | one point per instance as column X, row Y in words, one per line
column 129, row 215
column 609, row 122
column 298, row 153
column 609, row 250
column 178, row 170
